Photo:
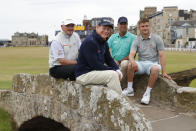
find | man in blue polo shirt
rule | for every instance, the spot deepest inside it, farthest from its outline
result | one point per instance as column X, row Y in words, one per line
column 120, row 44
column 95, row 64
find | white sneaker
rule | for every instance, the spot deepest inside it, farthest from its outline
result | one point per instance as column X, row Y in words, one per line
column 146, row 98
column 128, row 92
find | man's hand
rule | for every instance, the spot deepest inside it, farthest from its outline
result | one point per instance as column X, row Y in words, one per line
column 163, row 65
column 134, row 66
column 164, row 75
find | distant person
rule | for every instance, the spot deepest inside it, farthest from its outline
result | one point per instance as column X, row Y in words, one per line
column 64, row 52
column 95, row 64
column 120, row 44
column 150, row 49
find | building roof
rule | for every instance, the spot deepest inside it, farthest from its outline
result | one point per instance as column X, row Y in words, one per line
column 170, row 7
column 155, row 14
column 5, row 40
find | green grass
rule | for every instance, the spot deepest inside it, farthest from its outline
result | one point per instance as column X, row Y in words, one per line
column 193, row 83
column 6, row 85
column 179, row 61
column 34, row 60
column 5, row 121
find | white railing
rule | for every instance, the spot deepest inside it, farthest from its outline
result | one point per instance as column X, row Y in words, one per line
column 181, row 49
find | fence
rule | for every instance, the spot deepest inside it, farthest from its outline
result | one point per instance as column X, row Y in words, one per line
column 181, row 49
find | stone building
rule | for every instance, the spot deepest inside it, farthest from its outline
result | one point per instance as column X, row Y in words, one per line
column 156, row 23
column 132, row 29
column 88, row 25
column 162, row 24
column 184, row 15
column 192, row 14
column 184, row 33
column 29, row 39
column 161, row 21
column 187, row 15
column 147, row 12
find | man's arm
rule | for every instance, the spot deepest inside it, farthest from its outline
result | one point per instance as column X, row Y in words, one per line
column 132, row 60
column 134, row 46
column 160, row 49
column 163, row 64
column 63, row 61
column 132, row 55
column 58, row 53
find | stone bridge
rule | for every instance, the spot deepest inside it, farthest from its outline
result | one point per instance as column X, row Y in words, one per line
column 184, row 78
column 89, row 108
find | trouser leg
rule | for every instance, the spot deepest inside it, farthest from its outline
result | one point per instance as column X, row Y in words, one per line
column 63, row 72
column 109, row 78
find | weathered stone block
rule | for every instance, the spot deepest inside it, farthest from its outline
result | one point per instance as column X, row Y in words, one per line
column 87, row 108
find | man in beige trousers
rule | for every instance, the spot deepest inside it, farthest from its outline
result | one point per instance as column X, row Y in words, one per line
column 95, row 64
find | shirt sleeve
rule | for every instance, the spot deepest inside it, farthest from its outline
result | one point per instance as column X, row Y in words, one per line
column 57, row 50
column 160, row 44
column 134, row 46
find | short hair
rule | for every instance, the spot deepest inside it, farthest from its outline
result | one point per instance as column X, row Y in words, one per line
column 143, row 20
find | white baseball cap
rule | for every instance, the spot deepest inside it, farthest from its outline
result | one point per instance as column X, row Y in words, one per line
column 67, row 22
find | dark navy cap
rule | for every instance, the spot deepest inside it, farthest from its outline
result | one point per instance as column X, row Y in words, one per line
column 106, row 22
column 122, row 20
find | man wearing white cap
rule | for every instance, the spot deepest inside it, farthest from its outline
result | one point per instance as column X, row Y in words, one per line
column 64, row 52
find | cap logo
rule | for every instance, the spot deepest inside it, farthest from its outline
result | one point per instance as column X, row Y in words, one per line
column 106, row 21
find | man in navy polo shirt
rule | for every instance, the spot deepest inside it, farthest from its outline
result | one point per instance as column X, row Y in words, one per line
column 95, row 64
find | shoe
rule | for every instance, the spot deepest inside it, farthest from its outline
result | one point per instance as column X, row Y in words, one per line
column 146, row 99
column 127, row 92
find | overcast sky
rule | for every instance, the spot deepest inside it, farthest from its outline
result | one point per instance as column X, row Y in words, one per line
column 45, row 16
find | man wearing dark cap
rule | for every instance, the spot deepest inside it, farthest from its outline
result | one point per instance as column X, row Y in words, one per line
column 95, row 64
column 121, row 43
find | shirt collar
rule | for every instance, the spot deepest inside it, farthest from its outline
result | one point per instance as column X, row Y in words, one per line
column 126, row 35
column 147, row 38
